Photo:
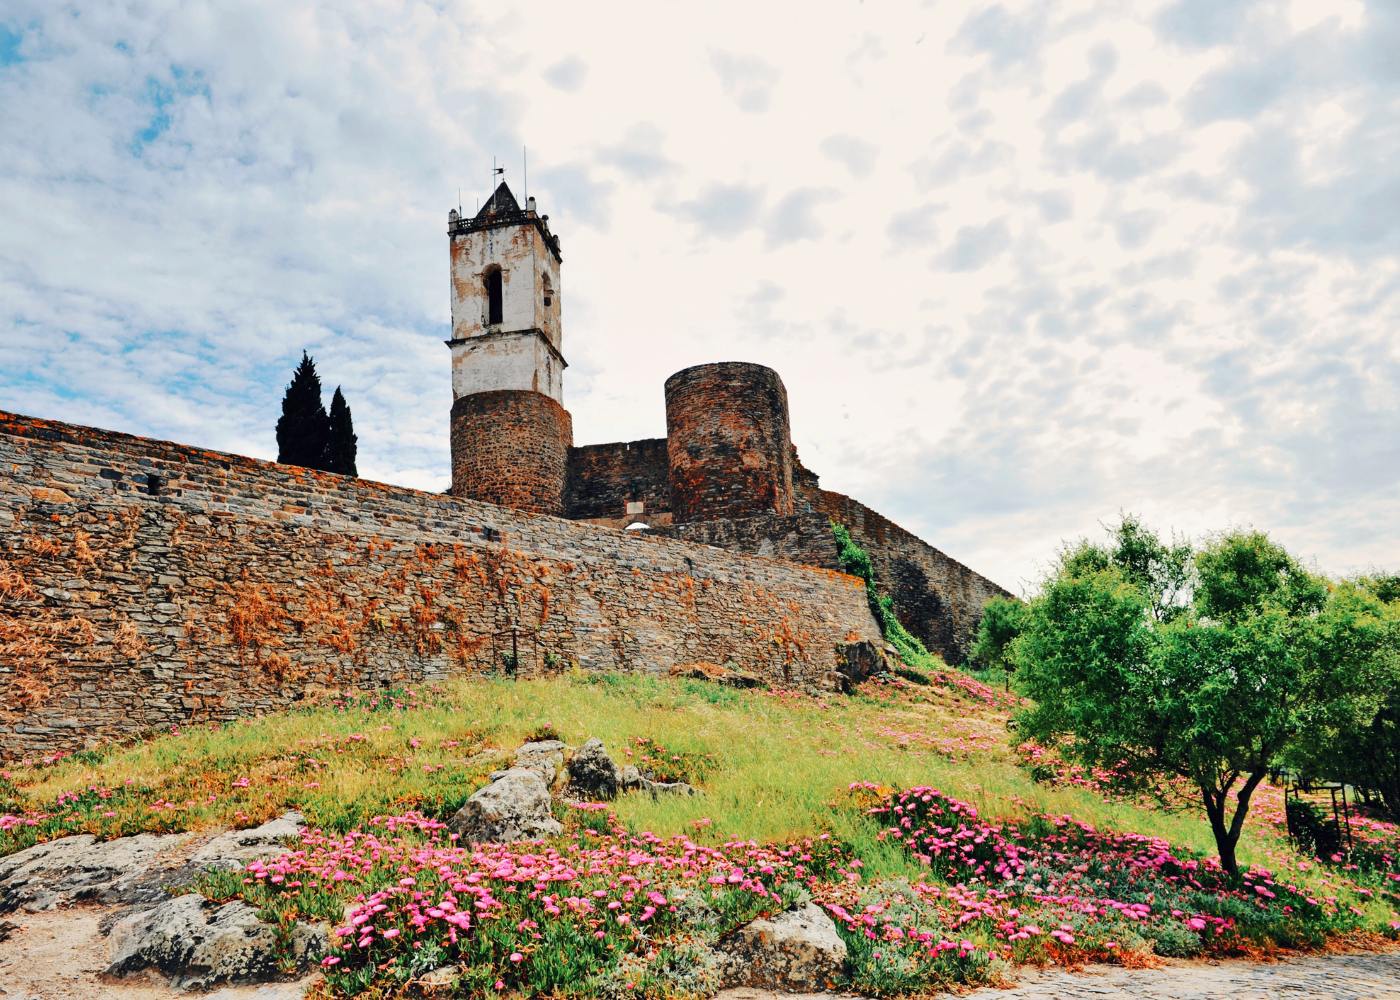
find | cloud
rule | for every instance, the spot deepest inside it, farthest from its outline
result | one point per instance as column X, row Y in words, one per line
column 1204, row 22
column 722, row 210
column 639, row 153
column 913, row 226
column 567, row 74
column 794, row 216
column 747, row 80
column 1006, row 38
column 853, row 153
column 975, row 246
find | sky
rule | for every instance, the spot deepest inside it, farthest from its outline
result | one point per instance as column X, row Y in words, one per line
column 1022, row 266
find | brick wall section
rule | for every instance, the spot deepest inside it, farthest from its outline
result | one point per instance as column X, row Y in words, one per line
column 728, row 442
column 511, row 448
column 603, row 477
column 936, row 597
column 145, row 584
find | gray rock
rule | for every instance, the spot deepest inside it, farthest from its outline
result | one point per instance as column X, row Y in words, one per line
column 513, row 807
column 236, row 848
column 592, row 774
column 629, row 779
column 799, row 950
column 198, row 945
column 544, row 756
column 81, row 869
column 855, row 661
column 660, row 788
column 441, row 982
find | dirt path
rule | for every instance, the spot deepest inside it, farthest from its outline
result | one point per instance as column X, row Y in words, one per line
column 57, row 955
column 1370, row 976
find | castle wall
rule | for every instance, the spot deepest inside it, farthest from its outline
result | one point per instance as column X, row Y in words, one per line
column 728, row 442
column 936, row 597
column 145, row 584
column 605, row 478
column 511, row 448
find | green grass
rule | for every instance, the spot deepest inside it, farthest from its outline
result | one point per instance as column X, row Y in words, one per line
column 781, row 762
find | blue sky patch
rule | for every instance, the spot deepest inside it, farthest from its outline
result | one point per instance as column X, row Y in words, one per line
column 10, row 39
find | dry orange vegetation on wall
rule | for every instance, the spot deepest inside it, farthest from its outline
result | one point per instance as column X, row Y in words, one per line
column 173, row 585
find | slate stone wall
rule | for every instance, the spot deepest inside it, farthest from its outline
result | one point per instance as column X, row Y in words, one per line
column 145, row 584
column 936, row 597
column 604, row 478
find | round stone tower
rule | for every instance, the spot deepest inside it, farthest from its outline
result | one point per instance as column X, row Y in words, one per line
column 510, row 432
column 728, row 442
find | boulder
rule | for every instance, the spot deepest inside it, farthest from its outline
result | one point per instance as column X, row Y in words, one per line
column 592, row 774
column 82, row 869
column 513, row 807
column 236, row 848
column 629, row 779
column 798, row 951
column 858, row 660
column 660, row 788
column 543, row 756
column 199, row 945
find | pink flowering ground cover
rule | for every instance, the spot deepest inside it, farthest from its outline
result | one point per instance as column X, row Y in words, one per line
column 602, row 911
column 597, row 911
column 1053, row 889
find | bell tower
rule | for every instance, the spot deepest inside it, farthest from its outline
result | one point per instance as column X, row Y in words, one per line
column 510, row 431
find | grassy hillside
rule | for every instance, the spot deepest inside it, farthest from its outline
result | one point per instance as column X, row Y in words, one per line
column 774, row 767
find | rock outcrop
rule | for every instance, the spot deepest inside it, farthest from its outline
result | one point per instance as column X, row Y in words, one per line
column 798, row 950
column 545, row 757
column 515, row 806
column 236, row 848
column 199, row 945
column 81, row 869
column 593, row 776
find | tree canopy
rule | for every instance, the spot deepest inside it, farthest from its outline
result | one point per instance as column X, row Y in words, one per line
column 1204, row 664
column 341, row 439
column 309, row 437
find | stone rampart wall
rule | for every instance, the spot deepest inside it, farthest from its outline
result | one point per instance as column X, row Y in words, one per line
column 936, row 597
column 145, row 584
column 604, row 477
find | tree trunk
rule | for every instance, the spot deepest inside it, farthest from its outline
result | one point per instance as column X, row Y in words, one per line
column 1227, row 835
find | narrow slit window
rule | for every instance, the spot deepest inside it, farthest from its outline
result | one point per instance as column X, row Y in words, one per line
column 493, row 296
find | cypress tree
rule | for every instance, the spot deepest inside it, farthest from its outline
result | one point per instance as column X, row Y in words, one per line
column 304, row 428
column 340, row 448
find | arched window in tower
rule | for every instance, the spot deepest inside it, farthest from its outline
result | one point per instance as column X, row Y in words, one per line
column 492, row 279
column 548, row 292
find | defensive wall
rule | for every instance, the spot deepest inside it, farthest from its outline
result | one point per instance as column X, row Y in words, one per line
column 726, row 475
column 145, row 584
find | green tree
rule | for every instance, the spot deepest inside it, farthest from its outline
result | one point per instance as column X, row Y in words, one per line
column 1205, row 666
column 303, row 429
column 341, row 442
column 1361, row 753
column 1002, row 621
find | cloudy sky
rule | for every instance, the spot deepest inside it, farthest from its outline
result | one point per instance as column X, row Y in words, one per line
column 1022, row 265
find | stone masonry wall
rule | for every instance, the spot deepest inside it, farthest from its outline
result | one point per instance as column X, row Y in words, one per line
column 603, row 478
column 511, row 448
column 145, row 584
column 936, row 597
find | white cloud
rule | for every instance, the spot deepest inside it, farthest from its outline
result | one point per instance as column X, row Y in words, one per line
column 1021, row 266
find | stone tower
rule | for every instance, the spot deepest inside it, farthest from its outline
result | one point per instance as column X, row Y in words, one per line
column 728, row 443
column 510, row 431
